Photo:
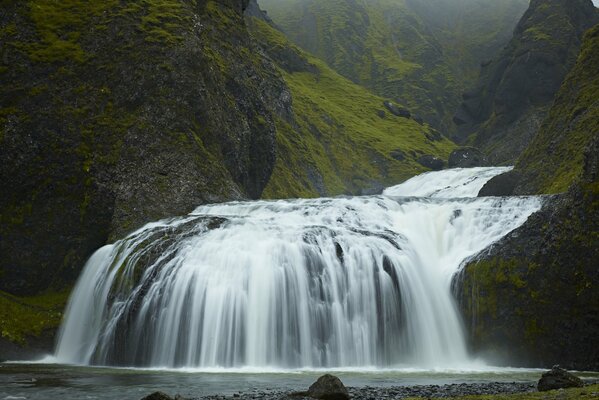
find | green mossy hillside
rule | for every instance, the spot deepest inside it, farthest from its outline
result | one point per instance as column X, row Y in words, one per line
column 341, row 139
column 418, row 53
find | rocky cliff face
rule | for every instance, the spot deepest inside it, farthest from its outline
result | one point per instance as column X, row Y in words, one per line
column 515, row 90
column 115, row 114
column 532, row 298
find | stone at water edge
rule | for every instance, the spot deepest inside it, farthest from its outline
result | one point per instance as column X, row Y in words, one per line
column 160, row 396
column 558, row 378
column 328, row 387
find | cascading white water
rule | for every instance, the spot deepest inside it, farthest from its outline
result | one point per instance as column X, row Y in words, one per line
column 342, row 282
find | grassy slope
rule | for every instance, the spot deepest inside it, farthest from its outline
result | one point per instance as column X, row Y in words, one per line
column 554, row 160
column 338, row 135
column 421, row 54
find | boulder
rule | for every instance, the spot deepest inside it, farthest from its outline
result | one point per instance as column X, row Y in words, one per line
column 397, row 110
column 431, row 162
column 467, row 157
column 158, row 396
column 328, row 387
column 558, row 378
column 398, row 155
column 433, row 135
column 501, row 185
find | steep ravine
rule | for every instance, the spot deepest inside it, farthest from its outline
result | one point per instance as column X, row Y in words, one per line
column 504, row 110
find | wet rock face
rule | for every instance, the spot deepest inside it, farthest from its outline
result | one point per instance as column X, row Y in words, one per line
column 328, row 387
column 558, row 378
column 501, row 185
column 127, row 125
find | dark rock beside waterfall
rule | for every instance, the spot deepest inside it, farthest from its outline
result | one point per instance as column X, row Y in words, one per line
column 532, row 299
column 558, row 378
column 431, row 162
column 158, row 396
column 501, row 185
column 328, row 387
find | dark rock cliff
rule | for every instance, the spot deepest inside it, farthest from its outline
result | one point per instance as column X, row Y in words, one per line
column 114, row 114
column 515, row 90
column 532, row 298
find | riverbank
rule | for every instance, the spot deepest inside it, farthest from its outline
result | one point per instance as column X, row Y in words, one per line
column 477, row 391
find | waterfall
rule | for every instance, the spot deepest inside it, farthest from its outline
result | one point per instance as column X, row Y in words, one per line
column 318, row 283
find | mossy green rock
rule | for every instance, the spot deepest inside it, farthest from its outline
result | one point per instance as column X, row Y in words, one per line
column 503, row 112
column 533, row 298
column 114, row 114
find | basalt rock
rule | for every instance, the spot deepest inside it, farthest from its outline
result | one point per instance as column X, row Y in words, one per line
column 558, row 378
column 328, row 387
column 158, row 396
column 501, row 185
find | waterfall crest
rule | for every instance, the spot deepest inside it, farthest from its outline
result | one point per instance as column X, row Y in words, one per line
column 333, row 282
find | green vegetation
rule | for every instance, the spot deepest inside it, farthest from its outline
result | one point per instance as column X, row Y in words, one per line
column 562, row 394
column 419, row 54
column 23, row 317
column 337, row 142
column 59, row 25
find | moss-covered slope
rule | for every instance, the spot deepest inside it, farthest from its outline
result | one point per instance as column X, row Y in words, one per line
column 533, row 299
column 116, row 113
column 340, row 138
column 505, row 109
column 419, row 53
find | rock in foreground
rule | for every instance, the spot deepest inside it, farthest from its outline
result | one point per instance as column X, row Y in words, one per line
column 158, row 396
column 558, row 378
column 328, row 387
